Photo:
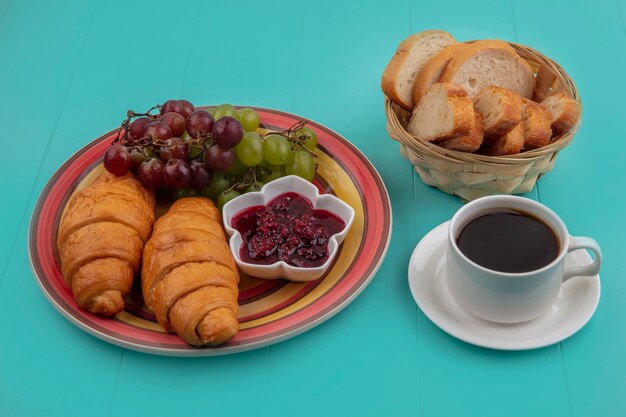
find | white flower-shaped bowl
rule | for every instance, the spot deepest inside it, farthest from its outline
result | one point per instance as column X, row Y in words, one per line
column 270, row 191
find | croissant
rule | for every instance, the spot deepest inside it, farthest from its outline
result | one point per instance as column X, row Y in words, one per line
column 100, row 240
column 189, row 277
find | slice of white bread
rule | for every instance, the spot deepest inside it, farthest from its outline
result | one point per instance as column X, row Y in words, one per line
column 490, row 62
column 536, row 119
column 565, row 112
column 470, row 142
column 500, row 109
column 407, row 62
column 509, row 144
column 444, row 112
column 431, row 72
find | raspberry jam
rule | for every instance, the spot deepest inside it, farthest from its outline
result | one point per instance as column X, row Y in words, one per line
column 287, row 229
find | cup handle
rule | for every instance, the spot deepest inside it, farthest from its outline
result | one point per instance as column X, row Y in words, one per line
column 578, row 242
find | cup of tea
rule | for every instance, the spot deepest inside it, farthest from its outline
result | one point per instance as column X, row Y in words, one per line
column 506, row 258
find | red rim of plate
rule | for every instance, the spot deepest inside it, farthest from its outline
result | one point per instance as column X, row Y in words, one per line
column 376, row 236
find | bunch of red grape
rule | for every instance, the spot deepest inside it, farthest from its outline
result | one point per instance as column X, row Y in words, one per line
column 215, row 152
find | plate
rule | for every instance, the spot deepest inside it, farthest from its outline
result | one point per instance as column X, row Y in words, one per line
column 574, row 307
column 270, row 310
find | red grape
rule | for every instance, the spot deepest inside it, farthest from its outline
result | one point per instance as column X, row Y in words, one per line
column 219, row 158
column 159, row 130
column 137, row 128
column 117, row 160
column 174, row 148
column 227, row 132
column 188, row 108
column 150, row 173
column 199, row 121
column 177, row 174
column 200, row 175
column 171, row 106
column 175, row 121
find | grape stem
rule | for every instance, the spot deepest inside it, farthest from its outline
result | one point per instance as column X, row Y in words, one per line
column 296, row 142
column 249, row 178
column 204, row 141
column 130, row 114
column 123, row 128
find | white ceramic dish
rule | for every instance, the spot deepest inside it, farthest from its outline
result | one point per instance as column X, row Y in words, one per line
column 575, row 305
column 290, row 183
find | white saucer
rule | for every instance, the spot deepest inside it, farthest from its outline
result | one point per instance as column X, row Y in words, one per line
column 576, row 304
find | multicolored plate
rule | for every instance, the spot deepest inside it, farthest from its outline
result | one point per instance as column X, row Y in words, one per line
column 272, row 310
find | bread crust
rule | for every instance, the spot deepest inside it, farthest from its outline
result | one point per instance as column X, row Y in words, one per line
column 510, row 144
column 470, row 142
column 462, row 113
column 536, row 119
column 462, row 55
column 491, row 43
column 510, row 108
column 565, row 119
column 397, row 63
column 432, row 70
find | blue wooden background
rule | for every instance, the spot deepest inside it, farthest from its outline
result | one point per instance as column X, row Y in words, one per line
column 69, row 71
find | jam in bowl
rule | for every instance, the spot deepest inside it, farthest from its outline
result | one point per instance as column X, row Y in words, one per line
column 286, row 230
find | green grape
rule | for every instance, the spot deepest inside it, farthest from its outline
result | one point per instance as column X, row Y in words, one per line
column 226, row 107
column 194, row 151
column 272, row 173
column 308, row 136
column 255, row 186
column 225, row 110
column 211, row 110
column 184, row 192
column 249, row 119
column 250, row 149
column 148, row 152
column 302, row 165
column 186, row 136
column 237, row 168
column 276, row 149
column 219, row 182
column 225, row 196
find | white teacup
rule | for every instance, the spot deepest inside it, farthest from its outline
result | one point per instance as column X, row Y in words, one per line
column 512, row 297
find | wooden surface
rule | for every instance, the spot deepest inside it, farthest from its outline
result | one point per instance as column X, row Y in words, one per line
column 69, row 71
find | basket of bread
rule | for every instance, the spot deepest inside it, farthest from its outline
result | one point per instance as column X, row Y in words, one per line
column 479, row 117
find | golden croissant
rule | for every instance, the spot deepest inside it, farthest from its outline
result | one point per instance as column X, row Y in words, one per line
column 101, row 238
column 189, row 277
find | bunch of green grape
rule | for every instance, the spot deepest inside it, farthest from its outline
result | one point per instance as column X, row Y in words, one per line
column 261, row 158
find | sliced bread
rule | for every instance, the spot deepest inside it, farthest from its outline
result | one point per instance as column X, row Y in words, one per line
column 500, row 109
column 509, row 144
column 410, row 57
column 469, row 142
column 484, row 63
column 565, row 112
column 444, row 112
column 536, row 119
column 431, row 72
